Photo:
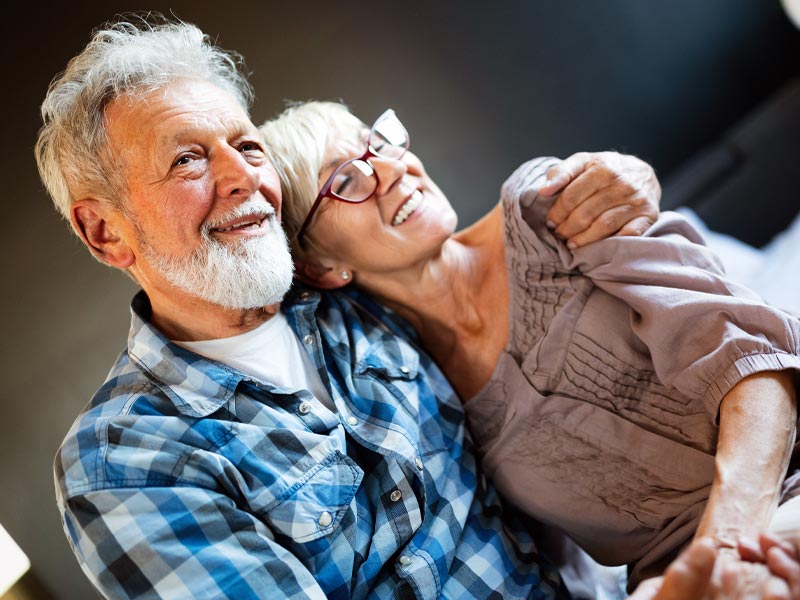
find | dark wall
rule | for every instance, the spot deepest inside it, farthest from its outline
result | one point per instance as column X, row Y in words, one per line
column 482, row 86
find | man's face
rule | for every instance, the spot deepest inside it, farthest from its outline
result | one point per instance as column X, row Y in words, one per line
column 204, row 200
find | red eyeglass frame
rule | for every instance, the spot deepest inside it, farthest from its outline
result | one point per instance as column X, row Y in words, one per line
column 327, row 192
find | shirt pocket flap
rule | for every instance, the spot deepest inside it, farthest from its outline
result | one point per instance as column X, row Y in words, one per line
column 390, row 361
column 315, row 505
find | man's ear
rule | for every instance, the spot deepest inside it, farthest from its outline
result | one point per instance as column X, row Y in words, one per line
column 321, row 275
column 98, row 226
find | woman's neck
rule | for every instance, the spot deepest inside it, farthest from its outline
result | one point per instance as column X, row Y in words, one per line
column 457, row 301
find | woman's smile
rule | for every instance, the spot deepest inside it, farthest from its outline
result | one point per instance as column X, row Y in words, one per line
column 408, row 208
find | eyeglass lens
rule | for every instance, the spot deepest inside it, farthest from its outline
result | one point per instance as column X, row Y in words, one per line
column 388, row 137
column 355, row 181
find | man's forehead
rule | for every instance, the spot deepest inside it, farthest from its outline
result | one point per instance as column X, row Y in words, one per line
column 187, row 128
column 167, row 119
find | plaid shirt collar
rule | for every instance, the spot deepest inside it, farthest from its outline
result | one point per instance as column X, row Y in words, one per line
column 196, row 385
column 199, row 386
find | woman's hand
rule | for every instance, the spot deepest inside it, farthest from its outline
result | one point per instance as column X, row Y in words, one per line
column 780, row 556
column 601, row 194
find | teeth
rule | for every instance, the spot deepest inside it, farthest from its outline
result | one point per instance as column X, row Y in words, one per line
column 241, row 226
column 409, row 207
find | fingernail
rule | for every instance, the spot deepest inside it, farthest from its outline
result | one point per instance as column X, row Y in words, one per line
column 550, row 224
column 748, row 541
column 572, row 245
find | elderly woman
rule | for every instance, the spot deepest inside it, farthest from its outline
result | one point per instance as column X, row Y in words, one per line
column 624, row 391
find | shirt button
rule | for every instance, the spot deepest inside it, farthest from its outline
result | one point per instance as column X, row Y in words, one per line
column 325, row 519
column 352, row 421
column 405, row 560
column 304, row 408
column 395, row 495
column 418, row 462
column 309, row 339
column 405, row 370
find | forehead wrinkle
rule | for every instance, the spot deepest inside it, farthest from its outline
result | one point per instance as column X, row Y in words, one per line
column 343, row 149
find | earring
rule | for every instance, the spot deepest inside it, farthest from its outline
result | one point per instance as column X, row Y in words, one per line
column 344, row 275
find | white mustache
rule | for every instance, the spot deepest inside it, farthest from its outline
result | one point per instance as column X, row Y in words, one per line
column 250, row 207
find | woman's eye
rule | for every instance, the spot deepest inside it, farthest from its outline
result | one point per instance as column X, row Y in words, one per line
column 341, row 184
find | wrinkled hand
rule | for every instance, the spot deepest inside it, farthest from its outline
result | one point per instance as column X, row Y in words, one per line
column 687, row 578
column 601, row 194
column 780, row 556
column 736, row 579
column 703, row 573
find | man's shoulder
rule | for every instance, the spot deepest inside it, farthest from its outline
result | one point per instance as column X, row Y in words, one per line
column 110, row 429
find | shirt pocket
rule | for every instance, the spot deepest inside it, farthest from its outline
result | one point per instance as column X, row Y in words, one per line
column 395, row 367
column 314, row 506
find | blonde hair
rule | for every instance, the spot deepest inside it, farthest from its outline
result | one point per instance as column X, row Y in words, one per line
column 128, row 59
column 297, row 141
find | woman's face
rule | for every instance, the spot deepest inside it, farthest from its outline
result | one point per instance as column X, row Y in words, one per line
column 405, row 221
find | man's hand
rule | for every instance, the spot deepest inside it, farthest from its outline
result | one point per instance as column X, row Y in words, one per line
column 601, row 194
column 701, row 572
column 687, row 578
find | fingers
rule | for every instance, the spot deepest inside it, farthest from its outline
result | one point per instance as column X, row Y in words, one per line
column 647, row 590
column 601, row 194
column 637, row 226
column 689, row 575
column 588, row 184
column 787, row 568
column 768, row 540
column 781, row 558
column 558, row 176
column 776, row 589
column 750, row 550
column 620, row 220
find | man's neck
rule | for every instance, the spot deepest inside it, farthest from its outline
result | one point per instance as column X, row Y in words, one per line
column 183, row 317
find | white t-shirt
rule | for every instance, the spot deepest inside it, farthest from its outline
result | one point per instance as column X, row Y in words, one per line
column 271, row 353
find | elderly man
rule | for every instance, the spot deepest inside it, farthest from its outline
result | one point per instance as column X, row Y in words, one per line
column 239, row 449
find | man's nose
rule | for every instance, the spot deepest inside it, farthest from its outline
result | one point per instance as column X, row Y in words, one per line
column 389, row 171
column 233, row 174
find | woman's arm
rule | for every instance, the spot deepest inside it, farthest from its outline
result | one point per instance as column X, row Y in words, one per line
column 756, row 434
column 713, row 339
column 705, row 333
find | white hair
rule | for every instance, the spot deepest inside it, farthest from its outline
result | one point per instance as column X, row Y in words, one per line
column 298, row 140
column 128, row 59
column 255, row 272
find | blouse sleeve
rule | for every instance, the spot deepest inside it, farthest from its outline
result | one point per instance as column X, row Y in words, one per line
column 705, row 333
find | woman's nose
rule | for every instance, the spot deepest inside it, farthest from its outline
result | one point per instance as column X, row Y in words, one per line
column 233, row 174
column 389, row 171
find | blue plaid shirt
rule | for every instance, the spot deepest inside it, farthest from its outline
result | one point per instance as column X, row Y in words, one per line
column 184, row 478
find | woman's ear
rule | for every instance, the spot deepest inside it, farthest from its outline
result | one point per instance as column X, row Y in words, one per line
column 317, row 272
column 98, row 226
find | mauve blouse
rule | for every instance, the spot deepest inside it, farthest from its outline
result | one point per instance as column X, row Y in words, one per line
column 601, row 414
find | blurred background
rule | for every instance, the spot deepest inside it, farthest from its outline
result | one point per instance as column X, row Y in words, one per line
column 707, row 92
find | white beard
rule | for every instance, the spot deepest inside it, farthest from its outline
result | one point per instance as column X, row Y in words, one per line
column 251, row 273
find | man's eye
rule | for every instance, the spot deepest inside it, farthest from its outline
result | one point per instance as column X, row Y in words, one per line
column 182, row 160
column 251, row 147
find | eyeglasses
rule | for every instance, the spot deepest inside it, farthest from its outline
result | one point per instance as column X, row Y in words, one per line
column 355, row 180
